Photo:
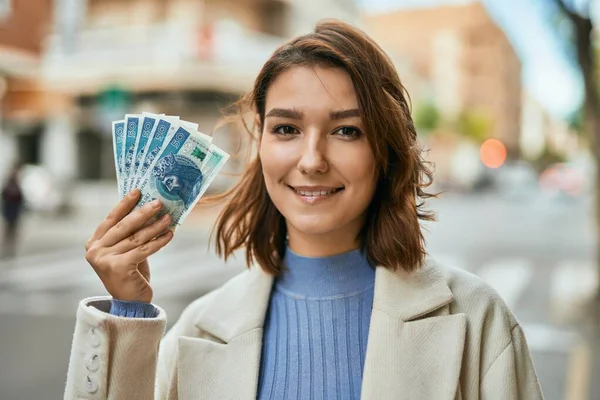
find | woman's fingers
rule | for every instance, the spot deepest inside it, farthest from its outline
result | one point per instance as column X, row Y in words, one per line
column 119, row 212
column 144, row 251
column 119, row 248
column 142, row 236
column 130, row 224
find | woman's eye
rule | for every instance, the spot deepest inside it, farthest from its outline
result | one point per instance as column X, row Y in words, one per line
column 285, row 130
column 348, row 132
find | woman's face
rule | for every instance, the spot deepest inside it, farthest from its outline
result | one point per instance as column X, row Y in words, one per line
column 318, row 166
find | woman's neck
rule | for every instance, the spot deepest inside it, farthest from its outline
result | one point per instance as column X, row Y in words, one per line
column 322, row 245
column 321, row 277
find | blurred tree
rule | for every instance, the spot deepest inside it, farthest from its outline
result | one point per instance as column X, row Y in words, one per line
column 597, row 64
column 579, row 15
column 427, row 118
column 473, row 125
column 576, row 122
column 548, row 157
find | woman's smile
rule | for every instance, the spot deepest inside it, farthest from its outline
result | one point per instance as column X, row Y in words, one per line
column 314, row 194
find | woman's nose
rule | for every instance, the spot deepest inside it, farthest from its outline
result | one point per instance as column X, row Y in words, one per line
column 313, row 159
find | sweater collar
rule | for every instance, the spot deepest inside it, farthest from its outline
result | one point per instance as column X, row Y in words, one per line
column 320, row 277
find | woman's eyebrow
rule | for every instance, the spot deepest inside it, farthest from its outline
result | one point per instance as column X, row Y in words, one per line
column 285, row 113
column 342, row 114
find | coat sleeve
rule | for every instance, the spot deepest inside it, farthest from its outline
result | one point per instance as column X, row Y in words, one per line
column 512, row 374
column 114, row 357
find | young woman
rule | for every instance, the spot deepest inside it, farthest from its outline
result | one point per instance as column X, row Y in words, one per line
column 339, row 300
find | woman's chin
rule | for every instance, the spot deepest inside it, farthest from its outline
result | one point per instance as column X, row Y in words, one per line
column 311, row 226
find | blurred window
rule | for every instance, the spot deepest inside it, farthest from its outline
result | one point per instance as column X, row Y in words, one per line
column 29, row 142
column 5, row 8
column 90, row 147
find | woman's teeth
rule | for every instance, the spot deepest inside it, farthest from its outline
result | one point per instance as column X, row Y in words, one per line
column 318, row 193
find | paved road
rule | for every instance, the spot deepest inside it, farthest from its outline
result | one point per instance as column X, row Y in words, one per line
column 536, row 252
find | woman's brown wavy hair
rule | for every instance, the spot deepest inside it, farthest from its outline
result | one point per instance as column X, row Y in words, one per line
column 392, row 235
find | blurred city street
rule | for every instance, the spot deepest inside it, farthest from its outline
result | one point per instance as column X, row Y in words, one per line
column 499, row 99
column 534, row 249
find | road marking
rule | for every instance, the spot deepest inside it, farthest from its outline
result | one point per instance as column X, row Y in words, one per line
column 450, row 260
column 509, row 277
column 51, row 288
column 36, row 259
column 202, row 271
column 36, row 272
column 547, row 338
column 47, row 276
column 572, row 285
column 69, row 269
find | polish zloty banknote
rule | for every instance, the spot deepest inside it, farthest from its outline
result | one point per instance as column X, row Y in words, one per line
column 181, row 174
column 132, row 124
column 212, row 164
column 164, row 128
column 190, row 126
column 118, row 128
column 173, row 144
column 149, row 122
column 158, row 142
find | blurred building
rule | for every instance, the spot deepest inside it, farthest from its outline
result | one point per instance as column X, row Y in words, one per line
column 105, row 58
column 24, row 103
column 541, row 132
column 465, row 56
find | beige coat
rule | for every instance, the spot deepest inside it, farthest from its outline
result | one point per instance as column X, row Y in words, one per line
column 438, row 334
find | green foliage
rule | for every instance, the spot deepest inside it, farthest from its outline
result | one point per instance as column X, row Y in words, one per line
column 548, row 158
column 474, row 125
column 427, row 118
column 577, row 121
column 597, row 67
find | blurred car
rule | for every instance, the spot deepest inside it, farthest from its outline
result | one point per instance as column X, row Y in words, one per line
column 515, row 179
column 564, row 179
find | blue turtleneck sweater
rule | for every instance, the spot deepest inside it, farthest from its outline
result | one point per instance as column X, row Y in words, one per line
column 316, row 327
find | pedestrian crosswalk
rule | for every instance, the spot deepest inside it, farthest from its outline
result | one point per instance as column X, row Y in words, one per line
column 44, row 284
column 509, row 276
column 68, row 270
column 572, row 285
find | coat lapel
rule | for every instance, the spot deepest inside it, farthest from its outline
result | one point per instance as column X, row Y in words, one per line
column 409, row 355
column 414, row 348
column 223, row 362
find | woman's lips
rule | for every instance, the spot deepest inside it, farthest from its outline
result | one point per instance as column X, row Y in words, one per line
column 315, row 194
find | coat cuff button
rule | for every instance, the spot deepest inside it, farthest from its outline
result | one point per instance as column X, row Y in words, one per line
column 93, row 363
column 94, row 338
column 91, row 386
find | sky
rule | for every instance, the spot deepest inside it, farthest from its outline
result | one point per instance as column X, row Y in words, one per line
column 549, row 73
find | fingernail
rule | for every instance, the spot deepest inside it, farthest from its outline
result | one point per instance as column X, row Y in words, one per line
column 133, row 193
column 165, row 218
column 155, row 203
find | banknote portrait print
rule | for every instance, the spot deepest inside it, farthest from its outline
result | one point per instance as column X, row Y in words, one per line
column 177, row 178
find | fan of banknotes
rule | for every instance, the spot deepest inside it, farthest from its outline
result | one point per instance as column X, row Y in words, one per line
column 167, row 159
